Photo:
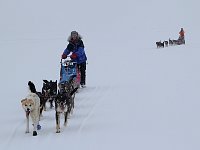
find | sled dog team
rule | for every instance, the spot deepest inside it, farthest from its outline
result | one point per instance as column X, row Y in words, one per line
column 179, row 41
column 35, row 102
column 33, row 105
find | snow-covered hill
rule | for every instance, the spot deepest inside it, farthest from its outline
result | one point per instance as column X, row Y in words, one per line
column 137, row 96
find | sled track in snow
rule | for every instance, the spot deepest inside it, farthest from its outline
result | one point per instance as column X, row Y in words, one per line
column 88, row 99
column 13, row 135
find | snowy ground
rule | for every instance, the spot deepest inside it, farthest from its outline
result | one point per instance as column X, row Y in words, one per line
column 137, row 96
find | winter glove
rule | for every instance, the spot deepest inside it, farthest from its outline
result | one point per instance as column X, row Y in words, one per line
column 63, row 56
column 73, row 56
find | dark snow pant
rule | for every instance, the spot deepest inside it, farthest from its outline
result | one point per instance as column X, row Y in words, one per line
column 82, row 68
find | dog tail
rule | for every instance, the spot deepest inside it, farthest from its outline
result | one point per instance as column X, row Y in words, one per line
column 32, row 87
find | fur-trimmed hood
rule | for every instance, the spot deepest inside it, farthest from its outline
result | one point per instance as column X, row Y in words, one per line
column 70, row 37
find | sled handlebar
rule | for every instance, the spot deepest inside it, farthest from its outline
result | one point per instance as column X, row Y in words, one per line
column 68, row 62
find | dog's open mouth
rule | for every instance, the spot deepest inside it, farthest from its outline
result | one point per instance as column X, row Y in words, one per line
column 62, row 107
column 27, row 112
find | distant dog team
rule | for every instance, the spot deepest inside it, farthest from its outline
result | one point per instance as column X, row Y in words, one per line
column 179, row 41
column 170, row 43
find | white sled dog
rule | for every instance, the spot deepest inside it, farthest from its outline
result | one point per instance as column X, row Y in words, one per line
column 31, row 105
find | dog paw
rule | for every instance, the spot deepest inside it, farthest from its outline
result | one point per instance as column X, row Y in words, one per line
column 34, row 133
column 58, row 131
column 39, row 127
column 65, row 123
column 27, row 132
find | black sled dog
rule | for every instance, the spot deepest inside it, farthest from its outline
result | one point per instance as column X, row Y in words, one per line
column 63, row 104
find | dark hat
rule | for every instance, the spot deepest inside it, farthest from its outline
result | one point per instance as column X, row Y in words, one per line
column 74, row 33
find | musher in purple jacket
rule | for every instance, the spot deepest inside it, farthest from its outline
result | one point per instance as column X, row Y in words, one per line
column 76, row 49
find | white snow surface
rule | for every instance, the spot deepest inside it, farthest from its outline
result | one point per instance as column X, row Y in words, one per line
column 138, row 97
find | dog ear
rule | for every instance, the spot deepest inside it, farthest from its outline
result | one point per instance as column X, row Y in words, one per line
column 45, row 81
column 23, row 100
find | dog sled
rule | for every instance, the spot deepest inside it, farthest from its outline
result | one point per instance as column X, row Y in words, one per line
column 69, row 75
column 181, row 40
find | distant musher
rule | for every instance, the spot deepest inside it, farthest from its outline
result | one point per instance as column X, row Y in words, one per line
column 181, row 38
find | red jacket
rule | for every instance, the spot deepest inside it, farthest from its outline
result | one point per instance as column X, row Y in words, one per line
column 181, row 33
